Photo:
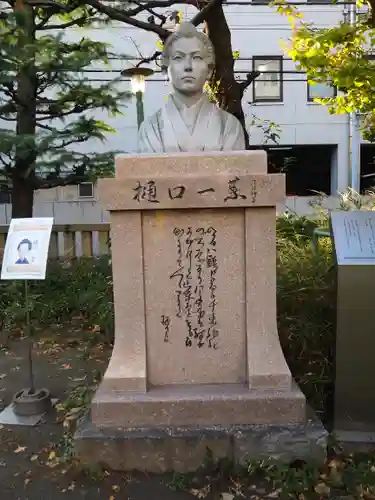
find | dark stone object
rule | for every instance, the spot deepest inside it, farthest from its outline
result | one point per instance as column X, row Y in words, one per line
column 167, row 449
column 28, row 402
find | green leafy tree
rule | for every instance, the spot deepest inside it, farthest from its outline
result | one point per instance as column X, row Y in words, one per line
column 228, row 89
column 47, row 100
column 338, row 55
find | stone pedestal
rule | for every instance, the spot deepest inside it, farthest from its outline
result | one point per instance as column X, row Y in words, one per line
column 193, row 240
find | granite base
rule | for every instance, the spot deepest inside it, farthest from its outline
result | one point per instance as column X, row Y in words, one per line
column 355, row 441
column 185, row 449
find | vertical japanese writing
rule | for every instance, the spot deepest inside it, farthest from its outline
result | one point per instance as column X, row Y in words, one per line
column 195, row 278
column 166, row 322
column 211, row 262
column 199, row 287
column 254, row 191
column 188, row 285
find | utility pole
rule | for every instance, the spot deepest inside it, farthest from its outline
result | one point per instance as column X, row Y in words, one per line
column 354, row 134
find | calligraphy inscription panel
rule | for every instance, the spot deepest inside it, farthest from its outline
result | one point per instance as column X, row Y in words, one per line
column 195, row 296
column 219, row 190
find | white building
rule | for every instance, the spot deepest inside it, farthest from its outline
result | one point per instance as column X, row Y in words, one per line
column 313, row 148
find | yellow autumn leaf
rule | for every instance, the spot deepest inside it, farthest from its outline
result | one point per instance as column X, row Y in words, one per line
column 52, row 455
column 322, row 489
column 202, row 493
column 20, row 449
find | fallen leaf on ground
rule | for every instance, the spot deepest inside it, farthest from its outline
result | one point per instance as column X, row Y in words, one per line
column 33, row 458
column 202, row 493
column 274, row 494
column 226, row 496
column 2, row 375
column 322, row 489
column 111, row 497
column 20, row 449
column 66, row 366
column 116, row 487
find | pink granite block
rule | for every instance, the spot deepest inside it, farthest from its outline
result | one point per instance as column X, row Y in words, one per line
column 267, row 367
column 196, row 339
column 201, row 405
column 215, row 360
column 128, row 365
column 186, row 164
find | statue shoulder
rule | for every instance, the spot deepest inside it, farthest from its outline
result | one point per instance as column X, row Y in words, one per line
column 233, row 133
column 150, row 134
column 230, row 120
column 152, row 121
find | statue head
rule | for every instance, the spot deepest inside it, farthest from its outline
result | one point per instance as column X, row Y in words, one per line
column 189, row 58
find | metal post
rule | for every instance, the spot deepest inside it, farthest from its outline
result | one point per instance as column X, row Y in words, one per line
column 140, row 112
column 355, row 141
column 30, row 341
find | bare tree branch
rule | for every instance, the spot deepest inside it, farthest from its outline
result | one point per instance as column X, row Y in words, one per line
column 124, row 17
column 69, row 180
column 151, row 5
column 44, row 26
column 250, row 77
column 49, row 3
column 45, row 127
column 147, row 60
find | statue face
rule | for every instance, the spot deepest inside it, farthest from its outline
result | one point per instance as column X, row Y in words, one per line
column 188, row 68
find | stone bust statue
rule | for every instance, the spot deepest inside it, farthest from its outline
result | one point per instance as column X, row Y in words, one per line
column 188, row 121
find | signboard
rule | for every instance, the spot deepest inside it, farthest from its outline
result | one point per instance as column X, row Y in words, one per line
column 354, row 237
column 26, row 249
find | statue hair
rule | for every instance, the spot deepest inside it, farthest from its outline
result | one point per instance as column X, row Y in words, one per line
column 188, row 30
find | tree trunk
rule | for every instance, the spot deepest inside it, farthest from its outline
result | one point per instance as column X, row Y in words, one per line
column 23, row 178
column 230, row 91
column 22, row 198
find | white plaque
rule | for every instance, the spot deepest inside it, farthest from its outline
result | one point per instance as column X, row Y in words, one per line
column 26, row 249
column 354, row 237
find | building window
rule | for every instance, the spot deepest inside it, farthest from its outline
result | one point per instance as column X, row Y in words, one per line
column 307, row 168
column 5, row 197
column 5, row 194
column 323, row 90
column 268, row 86
column 85, row 190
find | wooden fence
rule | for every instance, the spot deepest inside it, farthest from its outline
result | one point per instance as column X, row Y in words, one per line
column 73, row 240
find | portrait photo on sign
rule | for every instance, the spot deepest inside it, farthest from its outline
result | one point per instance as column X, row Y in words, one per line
column 24, row 251
column 26, row 248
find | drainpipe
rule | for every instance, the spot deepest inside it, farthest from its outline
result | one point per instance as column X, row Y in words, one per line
column 354, row 135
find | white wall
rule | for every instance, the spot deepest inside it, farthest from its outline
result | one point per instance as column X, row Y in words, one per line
column 256, row 30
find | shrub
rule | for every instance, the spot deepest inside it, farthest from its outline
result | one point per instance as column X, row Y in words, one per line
column 82, row 289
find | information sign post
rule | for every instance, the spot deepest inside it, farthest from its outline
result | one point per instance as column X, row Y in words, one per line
column 353, row 235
